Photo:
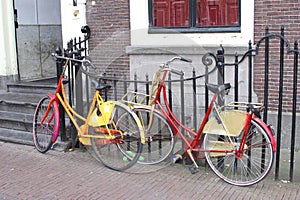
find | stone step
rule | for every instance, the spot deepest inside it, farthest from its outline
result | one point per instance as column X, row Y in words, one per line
column 25, row 137
column 16, row 136
column 17, row 107
column 16, row 120
column 33, row 87
column 19, row 102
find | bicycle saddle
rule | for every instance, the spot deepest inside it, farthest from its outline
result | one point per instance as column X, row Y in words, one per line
column 218, row 88
column 102, row 87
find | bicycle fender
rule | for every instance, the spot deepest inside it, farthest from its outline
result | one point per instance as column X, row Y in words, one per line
column 268, row 129
column 57, row 116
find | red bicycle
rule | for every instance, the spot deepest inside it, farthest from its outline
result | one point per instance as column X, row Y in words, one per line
column 238, row 146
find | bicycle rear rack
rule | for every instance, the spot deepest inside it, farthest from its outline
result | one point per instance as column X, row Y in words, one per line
column 137, row 98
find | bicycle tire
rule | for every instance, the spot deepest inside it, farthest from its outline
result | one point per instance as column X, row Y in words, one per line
column 44, row 135
column 252, row 167
column 120, row 154
column 159, row 138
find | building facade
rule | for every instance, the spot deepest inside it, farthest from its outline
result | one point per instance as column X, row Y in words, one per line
column 135, row 36
column 8, row 55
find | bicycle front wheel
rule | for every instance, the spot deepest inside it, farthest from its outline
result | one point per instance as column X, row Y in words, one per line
column 45, row 124
column 252, row 167
column 122, row 152
column 159, row 136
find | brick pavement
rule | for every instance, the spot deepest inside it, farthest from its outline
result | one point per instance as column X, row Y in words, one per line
column 27, row 174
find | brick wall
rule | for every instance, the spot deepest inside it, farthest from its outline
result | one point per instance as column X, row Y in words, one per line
column 275, row 14
column 109, row 23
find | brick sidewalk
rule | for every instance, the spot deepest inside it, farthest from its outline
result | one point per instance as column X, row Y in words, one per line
column 27, row 174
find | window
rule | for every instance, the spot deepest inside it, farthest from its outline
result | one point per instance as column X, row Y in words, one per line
column 194, row 15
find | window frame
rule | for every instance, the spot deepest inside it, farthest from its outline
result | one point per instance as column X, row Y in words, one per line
column 193, row 28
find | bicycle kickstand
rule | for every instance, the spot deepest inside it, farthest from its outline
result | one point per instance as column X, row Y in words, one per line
column 194, row 167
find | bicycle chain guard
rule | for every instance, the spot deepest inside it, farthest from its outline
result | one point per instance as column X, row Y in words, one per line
column 101, row 116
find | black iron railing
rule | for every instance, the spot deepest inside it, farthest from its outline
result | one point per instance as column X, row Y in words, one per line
column 218, row 62
column 76, row 48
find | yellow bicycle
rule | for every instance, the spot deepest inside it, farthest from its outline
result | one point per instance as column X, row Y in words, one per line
column 111, row 128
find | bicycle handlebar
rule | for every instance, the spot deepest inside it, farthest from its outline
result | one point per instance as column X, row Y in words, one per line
column 180, row 73
column 178, row 58
column 85, row 62
column 166, row 65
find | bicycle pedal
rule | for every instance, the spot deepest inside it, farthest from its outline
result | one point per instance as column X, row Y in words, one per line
column 193, row 169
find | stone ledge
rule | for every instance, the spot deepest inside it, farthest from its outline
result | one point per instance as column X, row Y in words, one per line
column 185, row 50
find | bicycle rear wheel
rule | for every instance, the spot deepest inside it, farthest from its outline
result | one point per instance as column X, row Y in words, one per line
column 159, row 137
column 44, row 133
column 123, row 152
column 252, row 167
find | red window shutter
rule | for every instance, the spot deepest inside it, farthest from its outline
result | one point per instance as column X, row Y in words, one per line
column 180, row 13
column 232, row 14
column 175, row 13
column 170, row 13
column 217, row 12
column 161, row 13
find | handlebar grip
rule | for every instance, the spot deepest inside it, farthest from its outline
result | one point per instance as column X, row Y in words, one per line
column 180, row 73
column 185, row 59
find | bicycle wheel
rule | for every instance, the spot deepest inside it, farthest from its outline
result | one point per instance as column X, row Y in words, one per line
column 159, row 137
column 123, row 152
column 43, row 132
column 254, row 164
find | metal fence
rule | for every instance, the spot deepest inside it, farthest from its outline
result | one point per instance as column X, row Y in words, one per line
column 209, row 60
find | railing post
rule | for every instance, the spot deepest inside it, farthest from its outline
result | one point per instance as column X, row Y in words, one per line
column 147, row 89
column 279, row 118
column 182, row 107
column 250, row 73
column 125, row 84
column 206, row 89
column 105, row 82
column 135, row 86
column 236, row 78
column 220, row 65
column 135, row 82
column 293, row 131
column 62, row 129
column 266, row 84
column 78, row 87
column 170, row 91
column 194, row 100
column 115, row 87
